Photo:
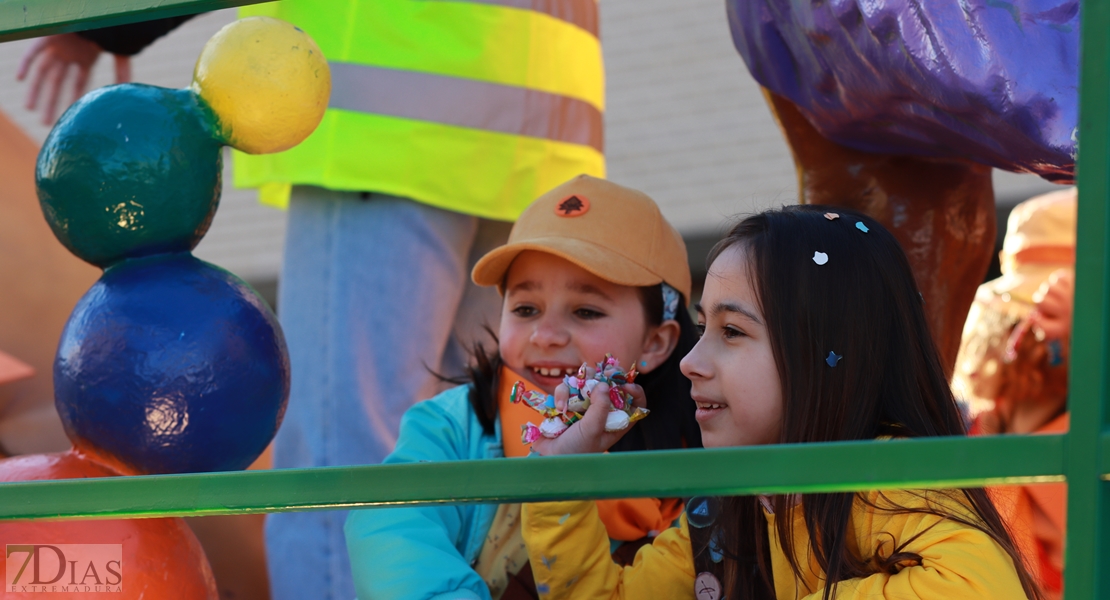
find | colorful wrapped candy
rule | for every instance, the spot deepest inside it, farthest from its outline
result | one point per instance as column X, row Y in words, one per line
column 541, row 403
column 554, row 423
column 574, row 392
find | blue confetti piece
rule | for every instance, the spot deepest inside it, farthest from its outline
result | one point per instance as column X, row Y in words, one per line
column 547, row 562
column 832, row 358
column 563, row 519
column 715, row 552
column 543, row 588
column 860, row 226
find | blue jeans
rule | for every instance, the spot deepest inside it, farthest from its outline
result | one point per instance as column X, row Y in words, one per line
column 374, row 295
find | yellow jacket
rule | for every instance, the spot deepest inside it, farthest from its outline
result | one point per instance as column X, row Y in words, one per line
column 569, row 552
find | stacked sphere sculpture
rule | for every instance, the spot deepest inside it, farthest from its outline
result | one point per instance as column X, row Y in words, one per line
column 168, row 364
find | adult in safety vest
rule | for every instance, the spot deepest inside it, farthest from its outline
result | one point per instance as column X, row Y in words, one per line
column 446, row 119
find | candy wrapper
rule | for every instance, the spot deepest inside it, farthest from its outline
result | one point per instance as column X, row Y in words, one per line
column 554, row 423
column 576, row 392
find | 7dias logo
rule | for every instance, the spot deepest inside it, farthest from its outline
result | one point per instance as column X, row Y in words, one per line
column 63, row 568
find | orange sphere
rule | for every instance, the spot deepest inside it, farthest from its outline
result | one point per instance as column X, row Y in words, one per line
column 161, row 558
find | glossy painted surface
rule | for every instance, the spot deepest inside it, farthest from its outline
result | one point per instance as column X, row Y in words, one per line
column 161, row 557
column 130, row 170
column 992, row 81
column 942, row 212
column 172, row 365
column 267, row 81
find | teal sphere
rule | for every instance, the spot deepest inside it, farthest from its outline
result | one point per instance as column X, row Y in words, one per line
column 130, row 170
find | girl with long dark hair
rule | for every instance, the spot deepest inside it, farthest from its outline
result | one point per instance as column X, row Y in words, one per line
column 813, row 331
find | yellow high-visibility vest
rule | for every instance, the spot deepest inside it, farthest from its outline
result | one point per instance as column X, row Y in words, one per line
column 474, row 106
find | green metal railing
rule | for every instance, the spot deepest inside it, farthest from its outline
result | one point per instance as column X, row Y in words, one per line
column 844, row 466
column 34, row 18
column 1079, row 456
column 1088, row 536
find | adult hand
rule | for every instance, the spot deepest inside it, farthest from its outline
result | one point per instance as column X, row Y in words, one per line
column 52, row 57
column 589, row 435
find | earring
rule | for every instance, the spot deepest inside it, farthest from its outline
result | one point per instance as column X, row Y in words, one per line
column 643, row 363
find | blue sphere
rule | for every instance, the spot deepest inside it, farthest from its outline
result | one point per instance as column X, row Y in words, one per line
column 172, row 365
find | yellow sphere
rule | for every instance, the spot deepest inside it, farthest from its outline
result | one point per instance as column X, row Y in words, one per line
column 267, row 82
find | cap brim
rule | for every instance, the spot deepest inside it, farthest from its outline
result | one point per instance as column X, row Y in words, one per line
column 13, row 369
column 598, row 260
column 1021, row 284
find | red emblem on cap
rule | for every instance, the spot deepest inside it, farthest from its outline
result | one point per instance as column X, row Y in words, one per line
column 573, row 206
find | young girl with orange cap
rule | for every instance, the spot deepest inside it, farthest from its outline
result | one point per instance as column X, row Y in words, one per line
column 591, row 268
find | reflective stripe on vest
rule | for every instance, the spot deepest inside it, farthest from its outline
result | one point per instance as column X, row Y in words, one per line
column 474, row 106
column 466, row 103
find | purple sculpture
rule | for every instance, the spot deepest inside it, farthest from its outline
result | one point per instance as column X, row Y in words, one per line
column 990, row 81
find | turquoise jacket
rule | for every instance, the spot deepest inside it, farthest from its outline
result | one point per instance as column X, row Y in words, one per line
column 426, row 552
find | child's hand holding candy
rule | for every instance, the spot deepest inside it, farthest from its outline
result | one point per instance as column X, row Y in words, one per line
column 590, row 435
column 605, row 384
column 566, row 394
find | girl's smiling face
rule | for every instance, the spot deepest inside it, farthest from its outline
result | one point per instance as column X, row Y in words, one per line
column 735, row 381
column 557, row 316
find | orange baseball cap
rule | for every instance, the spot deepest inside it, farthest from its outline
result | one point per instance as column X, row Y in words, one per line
column 614, row 232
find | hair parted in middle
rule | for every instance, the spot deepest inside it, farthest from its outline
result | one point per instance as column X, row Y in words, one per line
column 864, row 305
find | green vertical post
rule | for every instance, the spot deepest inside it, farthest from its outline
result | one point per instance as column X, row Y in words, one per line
column 1088, row 535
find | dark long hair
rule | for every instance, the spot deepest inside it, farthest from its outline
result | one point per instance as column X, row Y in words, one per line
column 671, row 424
column 864, row 305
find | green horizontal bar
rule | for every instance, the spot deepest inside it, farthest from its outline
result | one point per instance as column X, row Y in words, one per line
column 34, row 18
column 845, row 466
